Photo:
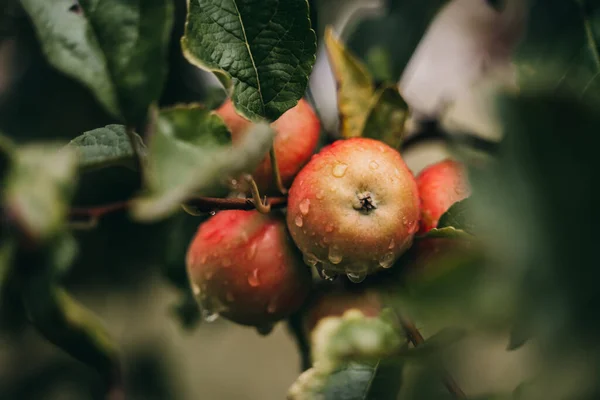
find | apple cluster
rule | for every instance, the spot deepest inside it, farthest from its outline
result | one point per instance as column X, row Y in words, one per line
column 353, row 209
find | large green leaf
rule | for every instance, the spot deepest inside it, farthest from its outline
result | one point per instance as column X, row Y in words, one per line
column 191, row 153
column 396, row 33
column 104, row 147
column 355, row 88
column 562, row 46
column 267, row 48
column 458, row 217
column 116, row 48
column 38, row 188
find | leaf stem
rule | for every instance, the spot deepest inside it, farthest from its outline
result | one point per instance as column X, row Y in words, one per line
column 262, row 207
column 276, row 173
column 417, row 339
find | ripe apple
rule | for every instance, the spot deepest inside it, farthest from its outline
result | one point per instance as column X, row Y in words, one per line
column 243, row 265
column 441, row 185
column 296, row 136
column 354, row 208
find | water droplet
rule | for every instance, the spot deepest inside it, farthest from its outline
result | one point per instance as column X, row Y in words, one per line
column 335, row 255
column 392, row 244
column 265, row 329
column 253, row 278
column 213, row 213
column 404, row 220
column 226, row 262
column 272, row 306
column 195, row 289
column 387, row 260
column 304, row 206
column 310, row 259
column 356, row 277
column 229, row 296
column 325, row 275
column 319, row 195
column 298, row 220
column 373, row 165
column 251, row 252
column 413, row 227
column 339, row 170
column 203, row 259
column 209, row 316
column 329, row 227
column 209, row 275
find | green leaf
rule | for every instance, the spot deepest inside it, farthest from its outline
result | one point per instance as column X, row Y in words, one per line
column 396, row 32
column 355, row 87
column 117, row 49
column 39, row 187
column 191, row 153
column 267, row 48
column 352, row 381
column 103, row 147
column 386, row 117
column 562, row 47
column 458, row 217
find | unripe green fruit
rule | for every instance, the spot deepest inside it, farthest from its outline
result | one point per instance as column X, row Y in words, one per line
column 440, row 185
column 354, row 208
column 296, row 136
column 243, row 266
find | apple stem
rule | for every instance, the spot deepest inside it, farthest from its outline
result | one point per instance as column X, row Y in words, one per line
column 261, row 206
column 276, row 173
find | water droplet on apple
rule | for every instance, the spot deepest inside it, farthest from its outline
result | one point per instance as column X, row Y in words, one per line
column 392, row 244
column 356, row 277
column 253, row 278
column 213, row 213
column 251, row 252
column 195, row 289
column 329, row 227
column 373, row 165
column 326, row 275
column 335, row 255
column 339, row 170
column 203, row 259
column 319, row 195
column 298, row 221
column 387, row 260
column 209, row 316
column 304, row 206
column 413, row 227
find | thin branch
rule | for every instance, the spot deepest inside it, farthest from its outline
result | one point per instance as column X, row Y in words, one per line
column 200, row 204
column 262, row 207
column 417, row 339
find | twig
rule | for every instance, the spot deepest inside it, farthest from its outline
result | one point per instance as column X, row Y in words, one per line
column 417, row 339
column 201, row 204
column 262, row 207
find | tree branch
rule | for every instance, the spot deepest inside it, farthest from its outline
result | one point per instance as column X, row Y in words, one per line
column 202, row 204
column 417, row 339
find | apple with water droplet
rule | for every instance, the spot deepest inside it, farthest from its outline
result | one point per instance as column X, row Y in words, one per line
column 296, row 136
column 440, row 186
column 244, row 266
column 354, row 208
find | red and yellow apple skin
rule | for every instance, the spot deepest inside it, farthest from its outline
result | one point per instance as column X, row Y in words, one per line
column 440, row 185
column 244, row 266
column 296, row 137
column 354, row 208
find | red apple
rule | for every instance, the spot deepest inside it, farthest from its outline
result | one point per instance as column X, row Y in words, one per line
column 243, row 266
column 296, row 136
column 354, row 208
column 441, row 185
